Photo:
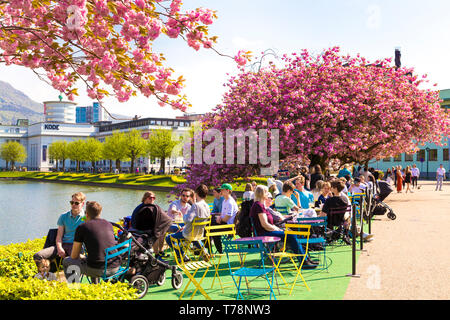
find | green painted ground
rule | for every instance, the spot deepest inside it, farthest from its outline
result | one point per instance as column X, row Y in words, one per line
column 324, row 285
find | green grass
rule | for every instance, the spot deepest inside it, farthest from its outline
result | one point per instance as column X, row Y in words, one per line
column 324, row 285
column 169, row 181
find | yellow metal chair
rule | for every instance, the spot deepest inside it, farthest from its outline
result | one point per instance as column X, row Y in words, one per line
column 182, row 247
column 225, row 230
column 298, row 230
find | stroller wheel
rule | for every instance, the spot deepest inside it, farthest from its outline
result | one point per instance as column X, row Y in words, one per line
column 140, row 283
column 162, row 279
column 391, row 216
column 177, row 280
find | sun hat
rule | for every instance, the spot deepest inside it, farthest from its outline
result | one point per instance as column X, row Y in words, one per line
column 226, row 186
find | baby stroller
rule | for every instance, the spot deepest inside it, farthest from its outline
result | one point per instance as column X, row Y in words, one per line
column 145, row 269
column 378, row 207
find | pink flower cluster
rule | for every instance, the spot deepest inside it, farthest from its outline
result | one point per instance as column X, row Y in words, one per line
column 105, row 43
column 330, row 109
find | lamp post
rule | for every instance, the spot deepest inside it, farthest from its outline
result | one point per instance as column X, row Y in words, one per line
column 428, row 157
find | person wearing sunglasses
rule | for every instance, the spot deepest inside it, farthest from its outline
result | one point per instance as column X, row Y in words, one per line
column 149, row 219
column 67, row 224
column 178, row 208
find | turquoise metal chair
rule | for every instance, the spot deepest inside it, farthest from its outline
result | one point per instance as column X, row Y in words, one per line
column 118, row 250
column 320, row 222
column 122, row 249
column 259, row 270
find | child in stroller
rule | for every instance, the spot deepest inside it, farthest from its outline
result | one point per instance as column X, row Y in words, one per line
column 145, row 269
column 378, row 207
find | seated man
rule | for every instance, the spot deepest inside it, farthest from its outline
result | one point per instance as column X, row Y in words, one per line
column 284, row 202
column 148, row 218
column 199, row 209
column 97, row 235
column 178, row 208
column 67, row 224
column 228, row 213
column 218, row 200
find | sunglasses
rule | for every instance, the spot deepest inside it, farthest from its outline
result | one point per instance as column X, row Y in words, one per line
column 74, row 202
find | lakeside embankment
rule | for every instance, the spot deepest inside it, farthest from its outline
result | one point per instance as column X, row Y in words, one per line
column 164, row 183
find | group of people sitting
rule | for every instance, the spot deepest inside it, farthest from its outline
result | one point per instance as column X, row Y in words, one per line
column 80, row 229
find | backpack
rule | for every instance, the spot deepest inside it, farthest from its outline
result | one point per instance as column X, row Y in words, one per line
column 242, row 221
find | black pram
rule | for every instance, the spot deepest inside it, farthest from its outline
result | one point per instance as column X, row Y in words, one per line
column 378, row 206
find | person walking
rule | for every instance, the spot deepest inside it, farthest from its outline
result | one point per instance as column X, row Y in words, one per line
column 440, row 176
column 415, row 173
column 408, row 177
column 399, row 181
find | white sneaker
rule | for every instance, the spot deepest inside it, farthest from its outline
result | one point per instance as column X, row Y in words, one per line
column 367, row 237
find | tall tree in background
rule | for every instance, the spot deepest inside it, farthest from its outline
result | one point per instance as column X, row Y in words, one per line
column 135, row 147
column 58, row 151
column 13, row 152
column 76, row 151
column 161, row 145
column 114, row 149
column 94, row 151
column 103, row 44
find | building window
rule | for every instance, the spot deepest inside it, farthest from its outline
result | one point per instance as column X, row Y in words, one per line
column 387, row 159
column 398, row 158
column 420, row 155
column 445, row 155
column 409, row 157
column 433, row 155
column 44, row 153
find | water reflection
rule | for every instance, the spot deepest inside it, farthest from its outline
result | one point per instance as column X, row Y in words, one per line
column 29, row 209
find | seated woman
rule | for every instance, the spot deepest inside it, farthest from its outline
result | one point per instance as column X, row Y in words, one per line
column 325, row 193
column 148, row 218
column 200, row 209
column 263, row 223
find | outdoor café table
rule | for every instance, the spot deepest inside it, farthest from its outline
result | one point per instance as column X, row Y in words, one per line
column 265, row 240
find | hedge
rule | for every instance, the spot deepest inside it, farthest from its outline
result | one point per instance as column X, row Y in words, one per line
column 17, row 270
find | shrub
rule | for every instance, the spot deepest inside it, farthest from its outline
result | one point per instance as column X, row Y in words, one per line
column 17, row 270
column 35, row 289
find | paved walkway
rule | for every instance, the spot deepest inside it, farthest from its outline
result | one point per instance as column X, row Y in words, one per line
column 409, row 257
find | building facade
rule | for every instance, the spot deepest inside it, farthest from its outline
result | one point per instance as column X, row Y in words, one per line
column 39, row 136
column 430, row 155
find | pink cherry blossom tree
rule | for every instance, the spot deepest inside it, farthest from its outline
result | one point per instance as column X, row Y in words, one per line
column 107, row 44
column 329, row 108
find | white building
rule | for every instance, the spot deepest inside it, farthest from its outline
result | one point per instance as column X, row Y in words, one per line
column 39, row 136
column 60, row 111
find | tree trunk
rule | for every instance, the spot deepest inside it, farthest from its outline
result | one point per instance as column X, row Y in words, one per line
column 110, row 166
column 57, row 165
column 78, row 166
column 320, row 160
column 132, row 165
column 64, row 165
column 118, row 164
column 162, row 166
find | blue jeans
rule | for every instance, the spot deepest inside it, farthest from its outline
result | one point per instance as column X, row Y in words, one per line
column 291, row 241
column 179, row 235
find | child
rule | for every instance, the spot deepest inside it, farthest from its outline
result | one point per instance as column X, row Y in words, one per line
column 248, row 194
column 44, row 268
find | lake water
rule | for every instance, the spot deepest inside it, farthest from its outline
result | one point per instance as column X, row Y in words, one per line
column 29, row 209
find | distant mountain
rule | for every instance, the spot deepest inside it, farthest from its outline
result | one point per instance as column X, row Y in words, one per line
column 14, row 104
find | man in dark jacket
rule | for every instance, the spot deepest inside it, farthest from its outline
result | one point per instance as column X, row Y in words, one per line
column 150, row 219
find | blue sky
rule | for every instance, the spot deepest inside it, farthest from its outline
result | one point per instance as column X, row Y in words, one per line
column 372, row 28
